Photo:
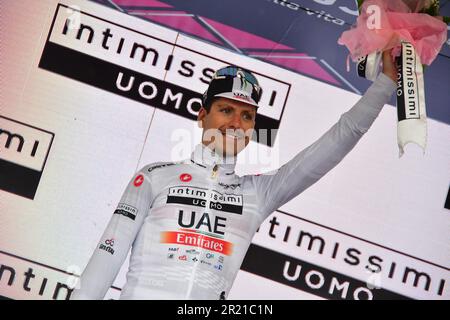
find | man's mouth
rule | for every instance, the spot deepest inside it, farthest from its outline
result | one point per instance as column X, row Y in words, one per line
column 232, row 134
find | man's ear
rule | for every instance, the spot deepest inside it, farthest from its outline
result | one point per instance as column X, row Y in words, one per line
column 200, row 117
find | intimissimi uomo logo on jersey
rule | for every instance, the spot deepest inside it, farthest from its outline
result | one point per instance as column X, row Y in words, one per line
column 201, row 197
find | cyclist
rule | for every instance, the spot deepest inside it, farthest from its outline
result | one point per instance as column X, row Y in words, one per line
column 189, row 224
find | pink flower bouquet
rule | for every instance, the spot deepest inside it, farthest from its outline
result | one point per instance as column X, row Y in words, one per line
column 415, row 32
column 384, row 24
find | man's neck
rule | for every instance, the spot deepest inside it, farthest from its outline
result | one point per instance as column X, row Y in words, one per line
column 221, row 156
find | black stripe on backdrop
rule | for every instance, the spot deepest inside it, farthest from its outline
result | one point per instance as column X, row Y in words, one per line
column 103, row 75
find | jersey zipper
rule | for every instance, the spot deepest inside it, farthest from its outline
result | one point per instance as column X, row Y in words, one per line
column 214, row 172
column 210, row 187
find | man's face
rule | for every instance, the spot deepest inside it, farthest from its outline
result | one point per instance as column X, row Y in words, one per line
column 228, row 126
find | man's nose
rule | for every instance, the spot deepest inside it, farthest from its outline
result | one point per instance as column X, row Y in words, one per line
column 235, row 122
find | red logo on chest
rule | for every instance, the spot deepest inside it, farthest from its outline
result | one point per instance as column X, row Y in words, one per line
column 185, row 177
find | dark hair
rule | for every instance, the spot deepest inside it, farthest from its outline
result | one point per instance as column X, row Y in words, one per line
column 208, row 104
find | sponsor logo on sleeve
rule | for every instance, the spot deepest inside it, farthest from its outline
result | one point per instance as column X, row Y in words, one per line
column 107, row 246
column 159, row 166
column 126, row 210
column 138, row 180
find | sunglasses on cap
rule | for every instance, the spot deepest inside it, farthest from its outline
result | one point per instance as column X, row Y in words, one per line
column 234, row 83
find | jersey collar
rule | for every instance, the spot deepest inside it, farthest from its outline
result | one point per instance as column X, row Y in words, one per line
column 207, row 158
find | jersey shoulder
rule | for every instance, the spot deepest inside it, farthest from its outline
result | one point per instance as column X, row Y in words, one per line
column 158, row 166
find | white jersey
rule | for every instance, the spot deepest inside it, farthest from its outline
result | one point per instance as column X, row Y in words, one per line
column 189, row 224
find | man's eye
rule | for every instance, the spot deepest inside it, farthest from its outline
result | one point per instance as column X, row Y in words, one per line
column 226, row 110
column 248, row 116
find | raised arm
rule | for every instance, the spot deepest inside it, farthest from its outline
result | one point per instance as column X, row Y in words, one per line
column 315, row 161
column 116, row 240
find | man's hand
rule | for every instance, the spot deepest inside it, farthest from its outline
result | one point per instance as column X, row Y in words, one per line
column 389, row 65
